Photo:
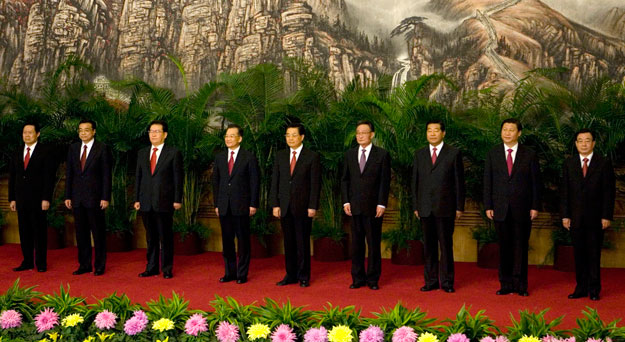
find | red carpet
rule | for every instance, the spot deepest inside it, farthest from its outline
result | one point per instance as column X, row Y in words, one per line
column 196, row 279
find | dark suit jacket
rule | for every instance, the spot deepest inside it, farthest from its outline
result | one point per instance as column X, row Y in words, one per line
column 239, row 190
column 438, row 189
column 35, row 184
column 88, row 187
column 590, row 197
column 160, row 191
column 366, row 191
column 299, row 191
column 519, row 192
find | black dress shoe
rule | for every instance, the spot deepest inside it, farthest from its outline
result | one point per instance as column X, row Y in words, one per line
column 524, row 293
column 304, row 283
column 286, row 282
column 21, row 268
column 167, row 275
column 594, row 297
column 98, row 272
column 81, row 271
column 242, row 280
column 356, row 285
column 576, row 295
column 374, row 286
column 41, row 269
column 148, row 274
column 503, row 291
column 449, row 289
column 427, row 288
column 225, row 279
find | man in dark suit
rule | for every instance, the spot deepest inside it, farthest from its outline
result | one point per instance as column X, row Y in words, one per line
column 438, row 199
column 587, row 205
column 512, row 189
column 31, row 183
column 294, row 196
column 365, row 186
column 158, row 189
column 88, row 193
column 236, row 185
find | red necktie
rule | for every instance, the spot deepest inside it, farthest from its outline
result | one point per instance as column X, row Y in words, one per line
column 27, row 158
column 585, row 167
column 83, row 158
column 509, row 161
column 293, row 161
column 231, row 162
column 153, row 160
column 433, row 155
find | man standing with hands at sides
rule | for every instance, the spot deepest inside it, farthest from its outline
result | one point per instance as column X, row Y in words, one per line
column 88, row 193
column 587, row 205
column 512, row 189
column 438, row 199
column 31, row 183
column 158, row 189
column 236, row 184
column 294, row 196
column 365, row 186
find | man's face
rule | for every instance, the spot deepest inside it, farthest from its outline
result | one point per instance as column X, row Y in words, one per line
column 86, row 132
column 364, row 135
column 584, row 144
column 232, row 138
column 510, row 134
column 157, row 136
column 434, row 134
column 293, row 138
column 29, row 135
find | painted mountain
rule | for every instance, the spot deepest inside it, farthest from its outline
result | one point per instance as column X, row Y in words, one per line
column 494, row 42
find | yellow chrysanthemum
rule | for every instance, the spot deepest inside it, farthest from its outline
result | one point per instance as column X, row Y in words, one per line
column 340, row 333
column 89, row 339
column 72, row 320
column 44, row 340
column 258, row 330
column 165, row 340
column 54, row 336
column 531, row 338
column 104, row 336
column 427, row 337
column 163, row 324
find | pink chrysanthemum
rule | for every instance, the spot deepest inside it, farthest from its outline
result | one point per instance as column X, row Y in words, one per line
column 105, row 320
column 572, row 339
column 501, row 338
column 136, row 324
column 316, row 335
column 227, row 332
column 487, row 339
column 46, row 320
column 372, row 334
column 594, row 340
column 404, row 334
column 195, row 324
column 10, row 319
column 458, row 337
column 283, row 333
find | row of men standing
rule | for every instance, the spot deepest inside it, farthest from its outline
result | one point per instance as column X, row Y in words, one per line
column 511, row 197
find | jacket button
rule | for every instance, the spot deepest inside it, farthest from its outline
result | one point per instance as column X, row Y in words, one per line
column 229, row 184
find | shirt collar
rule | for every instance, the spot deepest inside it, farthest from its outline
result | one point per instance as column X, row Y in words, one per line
column 32, row 147
column 514, row 148
column 439, row 147
column 159, row 147
column 298, row 150
column 581, row 158
column 88, row 144
column 236, row 150
column 366, row 148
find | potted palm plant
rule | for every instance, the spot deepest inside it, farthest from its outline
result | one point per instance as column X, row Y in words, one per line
column 406, row 245
column 563, row 256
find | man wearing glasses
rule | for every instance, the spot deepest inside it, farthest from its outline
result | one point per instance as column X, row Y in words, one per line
column 158, row 191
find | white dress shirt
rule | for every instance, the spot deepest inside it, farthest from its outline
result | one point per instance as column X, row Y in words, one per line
column 514, row 148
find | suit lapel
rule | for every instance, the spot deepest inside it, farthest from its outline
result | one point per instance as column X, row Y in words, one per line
column 33, row 157
column 577, row 168
column 520, row 154
column 94, row 149
column 298, row 162
column 237, row 162
column 441, row 154
column 594, row 164
column 160, row 159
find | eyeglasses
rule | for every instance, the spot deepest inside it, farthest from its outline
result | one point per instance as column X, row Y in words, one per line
column 363, row 133
column 155, row 131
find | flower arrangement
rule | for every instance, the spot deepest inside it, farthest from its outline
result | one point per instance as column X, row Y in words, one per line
column 136, row 324
column 530, row 338
column 10, row 319
column 429, row 337
column 458, row 337
column 72, row 320
column 195, row 325
column 163, row 324
column 340, row 333
column 372, row 334
column 46, row 320
column 404, row 334
column 227, row 332
column 496, row 339
column 283, row 333
column 258, row 331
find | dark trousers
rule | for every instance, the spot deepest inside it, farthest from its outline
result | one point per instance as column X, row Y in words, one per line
column 369, row 229
column 587, row 241
column 160, row 239
column 438, row 231
column 90, row 221
column 296, row 231
column 33, row 230
column 235, row 226
column 514, row 235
